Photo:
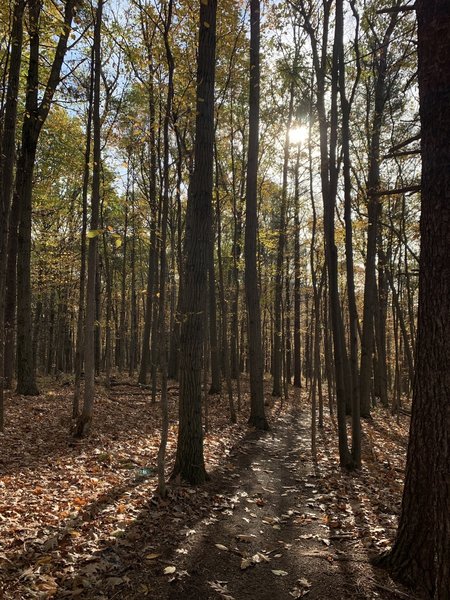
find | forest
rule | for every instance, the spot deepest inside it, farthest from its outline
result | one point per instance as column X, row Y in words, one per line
column 225, row 299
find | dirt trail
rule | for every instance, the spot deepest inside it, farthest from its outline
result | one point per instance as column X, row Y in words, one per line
column 83, row 521
column 274, row 501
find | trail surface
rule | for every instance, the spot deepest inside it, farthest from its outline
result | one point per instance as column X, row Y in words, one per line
column 81, row 520
column 273, row 539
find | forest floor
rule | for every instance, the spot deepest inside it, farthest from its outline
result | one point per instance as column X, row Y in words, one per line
column 80, row 519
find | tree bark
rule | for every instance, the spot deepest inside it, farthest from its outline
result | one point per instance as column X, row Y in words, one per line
column 257, row 412
column 82, row 287
column 189, row 462
column 297, row 299
column 7, row 150
column 281, row 226
column 373, row 186
column 32, row 126
column 85, row 419
column 421, row 553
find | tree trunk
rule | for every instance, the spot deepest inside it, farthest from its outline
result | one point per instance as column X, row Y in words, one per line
column 7, row 149
column 373, row 184
column 281, row 227
column 152, row 200
column 257, row 412
column 82, row 286
column 189, row 462
column 223, row 305
column 216, row 383
column 85, row 419
column 162, row 327
column 421, row 553
column 297, row 305
column 32, row 126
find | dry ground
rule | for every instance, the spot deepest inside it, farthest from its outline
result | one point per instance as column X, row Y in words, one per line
column 81, row 519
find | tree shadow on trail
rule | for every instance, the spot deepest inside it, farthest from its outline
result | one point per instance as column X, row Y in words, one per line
column 262, row 490
column 258, row 493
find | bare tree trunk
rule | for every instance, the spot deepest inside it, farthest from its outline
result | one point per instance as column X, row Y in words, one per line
column 373, row 184
column 162, row 327
column 7, row 149
column 81, row 293
column 216, row 383
column 85, row 419
column 352, row 309
column 123, row 292
column 281, row 226
column 145, row 354
column 421, row 553
column 223, row 306
column 257, row 412
column 32, row 126
column 189, row 462
column 297, row 274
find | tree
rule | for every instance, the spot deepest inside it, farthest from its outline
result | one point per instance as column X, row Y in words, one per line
column 36, row 113
column 162, row 328
column 82, row 287
column 257, row 413
column 421, row 554
column 189, row 462
column 7, row 147
column 373, row 207
column 85, row 419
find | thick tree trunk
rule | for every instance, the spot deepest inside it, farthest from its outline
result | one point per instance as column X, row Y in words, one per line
column 189, row 462
column 36, row 115
column 26, row 381
column 10, row 292
column 421, row 553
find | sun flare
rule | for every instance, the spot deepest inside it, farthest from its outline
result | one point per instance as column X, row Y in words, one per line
column 298, row 134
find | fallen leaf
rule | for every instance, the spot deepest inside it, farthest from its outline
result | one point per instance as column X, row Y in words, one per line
column 221, row 588
column 246, row 563
column 221, row 547
column 169, row 570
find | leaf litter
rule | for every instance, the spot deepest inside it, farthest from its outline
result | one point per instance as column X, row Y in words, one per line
column 71, row 513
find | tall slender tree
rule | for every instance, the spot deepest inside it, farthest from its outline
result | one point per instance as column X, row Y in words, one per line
column 82, row 287
column 373, row 207
column 7, row 147
column 257, row 412
column 189, row 462
column 162, row 326
column 85, row 419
